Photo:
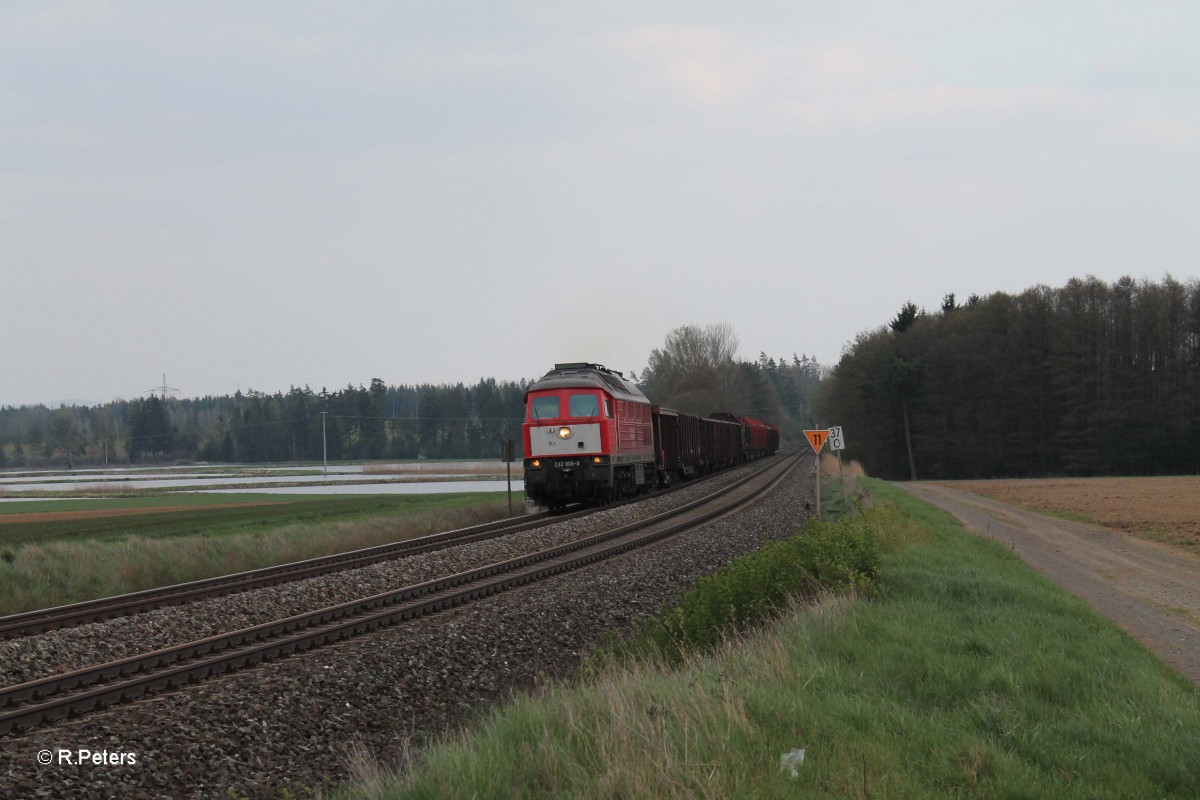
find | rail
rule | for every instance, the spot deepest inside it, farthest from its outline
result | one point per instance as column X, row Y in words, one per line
column 58, row 697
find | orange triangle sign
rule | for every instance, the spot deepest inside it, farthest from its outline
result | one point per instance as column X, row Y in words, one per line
column 817, row 439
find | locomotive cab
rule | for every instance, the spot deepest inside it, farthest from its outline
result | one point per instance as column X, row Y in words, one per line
column 587, row 437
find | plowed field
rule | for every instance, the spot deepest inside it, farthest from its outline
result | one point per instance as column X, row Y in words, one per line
column 1161, row 509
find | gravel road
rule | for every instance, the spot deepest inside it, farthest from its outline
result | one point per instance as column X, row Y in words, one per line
column 1149, row 589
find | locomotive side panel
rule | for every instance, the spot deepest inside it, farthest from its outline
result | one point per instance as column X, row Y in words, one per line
column 634, row 431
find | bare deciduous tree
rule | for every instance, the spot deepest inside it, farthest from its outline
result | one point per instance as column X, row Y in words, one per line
column 695, row 371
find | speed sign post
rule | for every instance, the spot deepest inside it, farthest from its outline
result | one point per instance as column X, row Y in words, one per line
column 817, row 440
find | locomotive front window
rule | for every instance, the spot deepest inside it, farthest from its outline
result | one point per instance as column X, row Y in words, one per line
column 544, row 407
column 585, row 405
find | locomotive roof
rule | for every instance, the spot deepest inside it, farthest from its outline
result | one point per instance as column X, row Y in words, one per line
column 592, row 376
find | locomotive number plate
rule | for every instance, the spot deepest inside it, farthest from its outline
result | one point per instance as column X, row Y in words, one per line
column 564, row 464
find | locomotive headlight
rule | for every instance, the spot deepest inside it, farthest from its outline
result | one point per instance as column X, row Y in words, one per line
column 535, row 462
column 564, row 433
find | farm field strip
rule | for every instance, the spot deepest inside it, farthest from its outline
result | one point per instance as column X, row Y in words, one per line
column 211, row 516
column 1163, row 509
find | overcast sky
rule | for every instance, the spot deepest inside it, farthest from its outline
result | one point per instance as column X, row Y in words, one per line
column 264, row 194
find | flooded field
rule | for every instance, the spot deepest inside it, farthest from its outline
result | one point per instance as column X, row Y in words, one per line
column 423, row 477
column 394, row 487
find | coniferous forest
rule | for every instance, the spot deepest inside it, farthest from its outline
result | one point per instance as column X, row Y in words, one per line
column 696, row 369
column 1088, row 379
column 371, row 422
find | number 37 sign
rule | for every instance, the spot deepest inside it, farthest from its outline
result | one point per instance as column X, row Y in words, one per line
column 836, row 440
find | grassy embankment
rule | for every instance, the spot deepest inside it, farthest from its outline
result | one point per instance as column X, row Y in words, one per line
column 48, row 563
column 955, row 670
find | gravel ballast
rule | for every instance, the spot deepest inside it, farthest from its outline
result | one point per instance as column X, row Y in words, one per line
column 33, row 657
column 293, row 725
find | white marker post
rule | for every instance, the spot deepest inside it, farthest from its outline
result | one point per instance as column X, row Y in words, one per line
column 506, row 455
column 837, row 443
column 817, row 440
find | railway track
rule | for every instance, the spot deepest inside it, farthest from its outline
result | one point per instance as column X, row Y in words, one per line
column 34, row 622
column 47, row 700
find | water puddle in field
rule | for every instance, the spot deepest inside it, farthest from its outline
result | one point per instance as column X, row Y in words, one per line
column 35, row 499
column 422, row 487
column 408, row 478
column 184, row 483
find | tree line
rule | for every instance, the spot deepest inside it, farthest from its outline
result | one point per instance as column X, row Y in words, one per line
column 364, row 422
column 696, row 371
column 1088, row 379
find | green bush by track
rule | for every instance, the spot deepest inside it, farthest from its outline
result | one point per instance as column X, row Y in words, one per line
column 844, row 555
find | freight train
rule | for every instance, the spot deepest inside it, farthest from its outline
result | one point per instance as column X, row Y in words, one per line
column 591, row 436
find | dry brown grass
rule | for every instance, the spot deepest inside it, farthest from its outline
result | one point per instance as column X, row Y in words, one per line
column 851, row 469
column 849, row 472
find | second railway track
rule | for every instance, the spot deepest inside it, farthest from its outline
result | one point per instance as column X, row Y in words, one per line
column 56, row 697
column 30, row 623
column 34, row 622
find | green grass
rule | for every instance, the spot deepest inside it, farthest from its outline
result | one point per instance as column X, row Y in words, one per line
column 67, row 563
column 835, row 502
column 965, row 674
column 270, row 511
column 148, row 500
column 838, row 555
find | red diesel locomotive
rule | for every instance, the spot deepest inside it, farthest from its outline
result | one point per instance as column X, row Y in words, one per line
column 590, row 435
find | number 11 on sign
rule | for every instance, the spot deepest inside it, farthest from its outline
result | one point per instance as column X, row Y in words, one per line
column 817, row 440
